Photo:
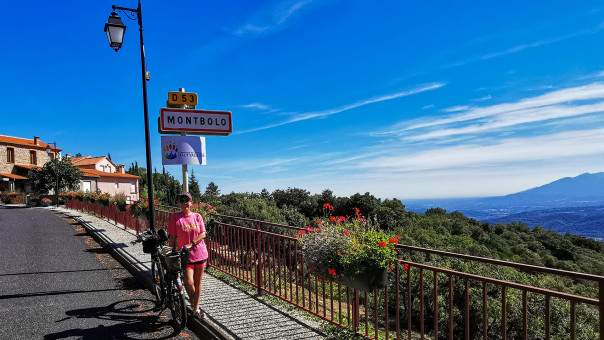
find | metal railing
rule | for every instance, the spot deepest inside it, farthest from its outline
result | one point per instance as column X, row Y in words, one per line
column 111, row 214
column 422, row 300
column 454, row 297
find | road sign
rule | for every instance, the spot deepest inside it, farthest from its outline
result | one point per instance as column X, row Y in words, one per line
column 183, row 150
column 199, row 122
column 187, row 98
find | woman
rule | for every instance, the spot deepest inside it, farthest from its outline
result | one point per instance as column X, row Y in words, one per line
column 186, row 229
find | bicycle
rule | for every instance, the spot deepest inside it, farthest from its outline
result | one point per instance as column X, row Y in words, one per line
column 167, row 265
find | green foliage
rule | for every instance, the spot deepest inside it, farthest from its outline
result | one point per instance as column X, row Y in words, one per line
column 194, row 187
column 45, row 179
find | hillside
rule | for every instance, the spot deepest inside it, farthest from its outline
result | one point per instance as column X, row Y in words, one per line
column 586, row 221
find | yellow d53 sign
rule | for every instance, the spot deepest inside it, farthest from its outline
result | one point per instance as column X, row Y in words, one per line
column 182, row 98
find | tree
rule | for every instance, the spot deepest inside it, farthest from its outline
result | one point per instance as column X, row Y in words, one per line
column 194, row 187
column 45, row 179
column 211, row 194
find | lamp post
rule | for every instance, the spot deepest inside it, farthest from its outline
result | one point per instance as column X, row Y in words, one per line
column 56, row 169
column 115, row 29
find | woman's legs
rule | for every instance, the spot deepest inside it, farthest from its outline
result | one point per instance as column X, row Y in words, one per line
column 197, row 277
column 189, row 284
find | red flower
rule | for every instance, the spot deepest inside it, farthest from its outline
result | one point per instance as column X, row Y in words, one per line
column 346, row 232
column 332, row 218
column 301, row 233
column 392, row 268
column 406, row 267
column 319, row 222
column 320, row 279
column 356, row 210
column 331, row 208
column 310, row 229
column 383, row 244
column 393, row 240
column 326, row 205
column 342, row 218
column 332, row 272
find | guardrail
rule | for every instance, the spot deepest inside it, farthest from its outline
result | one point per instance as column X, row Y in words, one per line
column 423, row 300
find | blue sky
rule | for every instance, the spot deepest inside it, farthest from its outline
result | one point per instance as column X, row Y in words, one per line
column 396, row 98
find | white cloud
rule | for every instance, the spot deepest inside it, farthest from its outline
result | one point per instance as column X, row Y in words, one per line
column 586, row 92
column 257, row 106
column 329, row 112
column 271, row 18
column 515, row 118
column 517, row 150
column 457, row 108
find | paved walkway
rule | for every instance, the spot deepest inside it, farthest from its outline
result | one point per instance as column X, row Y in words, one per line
column 232, row 313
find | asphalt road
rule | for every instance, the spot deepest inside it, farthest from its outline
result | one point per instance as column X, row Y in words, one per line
column 56, row 282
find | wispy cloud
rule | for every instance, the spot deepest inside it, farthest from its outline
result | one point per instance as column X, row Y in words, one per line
column 555, row 146
column 457, row 108
column 257, row 106
column 483, row 99
column 586, row 92
column 329, row 112
column 271, row 18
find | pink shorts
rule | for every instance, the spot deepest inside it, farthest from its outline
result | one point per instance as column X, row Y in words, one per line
column 197, row 265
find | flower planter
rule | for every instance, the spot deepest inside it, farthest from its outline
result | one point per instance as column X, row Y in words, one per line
column 45, row 204
column 81, row 199
column 375, row 279
column 104, row 203
column 121, row 207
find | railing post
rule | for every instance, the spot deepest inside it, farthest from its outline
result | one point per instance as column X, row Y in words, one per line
column 259, row 262
column 601, row 305
column 355, row 312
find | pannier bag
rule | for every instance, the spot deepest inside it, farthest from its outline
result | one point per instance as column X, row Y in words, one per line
column 149, row 243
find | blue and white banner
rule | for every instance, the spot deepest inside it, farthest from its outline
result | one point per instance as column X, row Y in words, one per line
column 183, row 150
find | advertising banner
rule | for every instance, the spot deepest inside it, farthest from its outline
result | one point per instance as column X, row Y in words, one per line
column 183, row 150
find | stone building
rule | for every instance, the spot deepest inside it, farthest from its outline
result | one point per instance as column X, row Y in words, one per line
column 17, row 156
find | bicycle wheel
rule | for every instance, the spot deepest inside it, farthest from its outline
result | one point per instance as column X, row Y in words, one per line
column 158, row 282
column 178, row 307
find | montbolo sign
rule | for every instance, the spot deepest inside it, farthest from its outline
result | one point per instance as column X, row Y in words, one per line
column 201, row 122
column 183, row 150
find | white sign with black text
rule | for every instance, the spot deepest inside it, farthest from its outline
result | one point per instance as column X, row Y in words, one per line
column 183, row 150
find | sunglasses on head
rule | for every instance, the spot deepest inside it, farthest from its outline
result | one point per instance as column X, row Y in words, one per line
column 183, row 200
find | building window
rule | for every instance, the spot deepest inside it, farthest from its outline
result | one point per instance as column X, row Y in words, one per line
column 86, row 186
column 116, row 184
column 33, row 158
column 10, row 155
column 133, row 188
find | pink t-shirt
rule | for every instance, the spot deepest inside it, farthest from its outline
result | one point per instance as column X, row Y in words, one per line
column 186, row 228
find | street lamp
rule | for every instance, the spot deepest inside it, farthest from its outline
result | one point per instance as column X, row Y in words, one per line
column 56, row 168
column 115, row 29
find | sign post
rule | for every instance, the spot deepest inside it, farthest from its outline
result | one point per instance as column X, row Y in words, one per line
column 180, row 117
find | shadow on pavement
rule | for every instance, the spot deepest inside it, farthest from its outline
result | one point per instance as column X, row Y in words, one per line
column 131, row 320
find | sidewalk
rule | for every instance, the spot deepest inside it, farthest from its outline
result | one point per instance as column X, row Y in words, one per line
column 232, row 313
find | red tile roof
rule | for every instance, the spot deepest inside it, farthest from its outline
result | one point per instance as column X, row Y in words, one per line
column 97, row 173
column 29, row 143
column 12, row 176
column 87, row 160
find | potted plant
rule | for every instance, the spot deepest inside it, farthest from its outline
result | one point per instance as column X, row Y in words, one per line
column 104, row 199
column 119, row 201
column 45, row 202
column 140, row 209
column 80, row 195
column 92, row 197
column 349, row 250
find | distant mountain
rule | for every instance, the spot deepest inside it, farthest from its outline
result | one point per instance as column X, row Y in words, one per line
column 536, row 206
column 583, row 188
column 585, row 221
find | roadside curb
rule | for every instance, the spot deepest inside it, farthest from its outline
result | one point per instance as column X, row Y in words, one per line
column 205, row 329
